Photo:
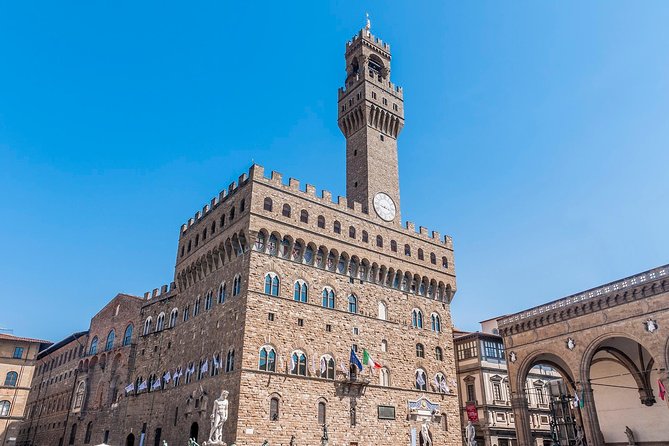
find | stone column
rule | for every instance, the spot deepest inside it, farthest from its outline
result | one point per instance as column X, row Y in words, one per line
column 593, row 434
column 521, row 416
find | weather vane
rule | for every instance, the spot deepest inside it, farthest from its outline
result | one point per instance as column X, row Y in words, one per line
column 368, row 26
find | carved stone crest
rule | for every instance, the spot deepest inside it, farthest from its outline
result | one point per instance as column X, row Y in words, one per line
column 513, row 357
column 571, row 344
column 651, row 326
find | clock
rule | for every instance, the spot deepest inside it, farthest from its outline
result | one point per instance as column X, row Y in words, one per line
column 384, row 206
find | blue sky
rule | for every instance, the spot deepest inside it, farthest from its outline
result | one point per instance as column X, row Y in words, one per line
column 536, row 135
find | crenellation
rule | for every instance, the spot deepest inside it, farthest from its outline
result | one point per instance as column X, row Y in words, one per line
column 231, row 188
column 276, row 178
column 423, row 231
column 342, row 201
column 310, row 190
column 242, row 179
column 436, row 236
column 293, row 184
column 198, row 215
column 205, row 209
column 326, row 195
column 410, row 226
column 357, row 207
column 163, row 289
column 222, row 196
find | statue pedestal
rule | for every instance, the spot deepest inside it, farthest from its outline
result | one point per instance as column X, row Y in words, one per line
column 215, row 443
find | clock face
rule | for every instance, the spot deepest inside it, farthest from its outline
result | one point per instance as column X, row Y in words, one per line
column 384, row 206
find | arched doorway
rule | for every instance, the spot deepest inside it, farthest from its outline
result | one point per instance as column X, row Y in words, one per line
column 130, row 440
column 194, row 428
column 542, row 397
column 622, row 375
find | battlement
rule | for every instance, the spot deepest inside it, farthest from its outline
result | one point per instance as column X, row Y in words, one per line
column 222, row 197
column 388, row 86
column 257, row 173
column 160, row 292
column 364, row 36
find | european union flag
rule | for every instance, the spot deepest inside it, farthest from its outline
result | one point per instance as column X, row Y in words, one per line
column 355, row 360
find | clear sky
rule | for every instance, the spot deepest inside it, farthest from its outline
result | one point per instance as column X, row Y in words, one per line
column 536, row 135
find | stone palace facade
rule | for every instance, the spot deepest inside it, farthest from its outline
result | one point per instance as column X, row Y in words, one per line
column 274, row 286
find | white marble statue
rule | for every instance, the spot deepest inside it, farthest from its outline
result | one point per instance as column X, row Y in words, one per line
column 470, row 433
column 219, row 415
column 425, row 435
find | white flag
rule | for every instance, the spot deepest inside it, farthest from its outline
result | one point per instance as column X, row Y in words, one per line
column 167, row 377
column 142, row 386
column 129, row 388
column 342, row 366
column 156, row 384
column 420, row 379
column 216, row 363
column 292, row 363
column 323, row 365
column 444, row 387
column 205, row 368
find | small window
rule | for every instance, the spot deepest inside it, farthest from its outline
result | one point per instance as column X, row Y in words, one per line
column 356, row 331
column 321, row 413
column 274, row 409
column 421, row 382
column 242, row 206
column 301, row 291
column 267, row 361
column 395, row 107
column 420, row 351
column 272, row 284
column 232, row 214
column 236, row 285
column 11, row 379
column 94, row 343
column 286, row 211
column 433, row 258
column 127, row 336
column 421, row 256
column 393, row 246
column 267, row 204
column 221, row 293
column 328, row 327
column 300, row 322
column 385, row 101
column 444, row 262
column 222, row 220
column 438, row 354
column 407, row 250
column 304, row 216
column 435, row 322
column 381, row 137
column 351, row 231
column 416, row 318
column 18, row 353
column 197, row 240
column 110, row 340
column 337, row 227
column 379, row 241
column 230, row 361
column 298, row 363
column 365, row 236
column 384, row 345
column 204, row 234
column 373, row 95
column 321, row 222
column 352, row 304
column 270, row 316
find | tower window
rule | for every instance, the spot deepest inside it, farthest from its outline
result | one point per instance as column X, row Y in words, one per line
column 321, row 222
column 351, row 232
column 381, row 137
column 286, row 210
column 373, row 95
column 355, row 152
column 355, row 184
column 393, row 246
column 395, row 107
column 337, row 227
column 304, row 216
column 365, row 236
column 385, row 101
column 267, row 205
column 379, row 241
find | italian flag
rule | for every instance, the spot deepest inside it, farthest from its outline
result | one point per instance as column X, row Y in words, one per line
column 368, row 361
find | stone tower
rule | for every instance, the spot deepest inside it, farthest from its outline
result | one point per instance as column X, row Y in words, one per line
column 371, row 116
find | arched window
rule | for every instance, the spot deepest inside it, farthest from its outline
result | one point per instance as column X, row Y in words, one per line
column 89, row 431
column 393, row 246
column 260, row 242
column 321, row 412
column 11, row 379
column 216, row 364
column 160, row 322
column 351, row 231
column 379, row 241
column 298, row 363
column 267, row 205
column 232, row 214
column 352, row 304
column 221, row 293
column 272, row 284
column 242, row 206
column 440, row 383
column 94, row 346
column 230, row 361
column 173, row 317
column 420, row 350
column 127, row 335
column 421, row 256
column 438, row 354
column 328, row 298
column 444, row 262
column 383, row 310
column 222, row 220
column 186, row 313
column 416, row 318
column 384, row 377
column 267, row 361
column 304, row 216
column 435, row 322
column 337, row 227
column 286, row 210
column 301, row 291
column 208, row 298
column 274, row 409
column 407, row 250
column 421, row 382
column 4, row 408
column 110, row 340
column 73, row 433
column 327, row 367
column 384, row 345
column 433, row 258
column 237, row 285
column 321, row 222
column 147, row 326
column 80, row 395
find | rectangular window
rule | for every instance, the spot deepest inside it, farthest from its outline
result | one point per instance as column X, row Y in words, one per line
column 385, row 101
column 493, row 349
column 471, row 392
column 373, row 95
column 356, row 331
column 386, row 412
column 270, row 316
column 467, row 350
column 18, row 352
column 395, row 107
column 300, row 322
column 355, row 348
column 328, row 327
